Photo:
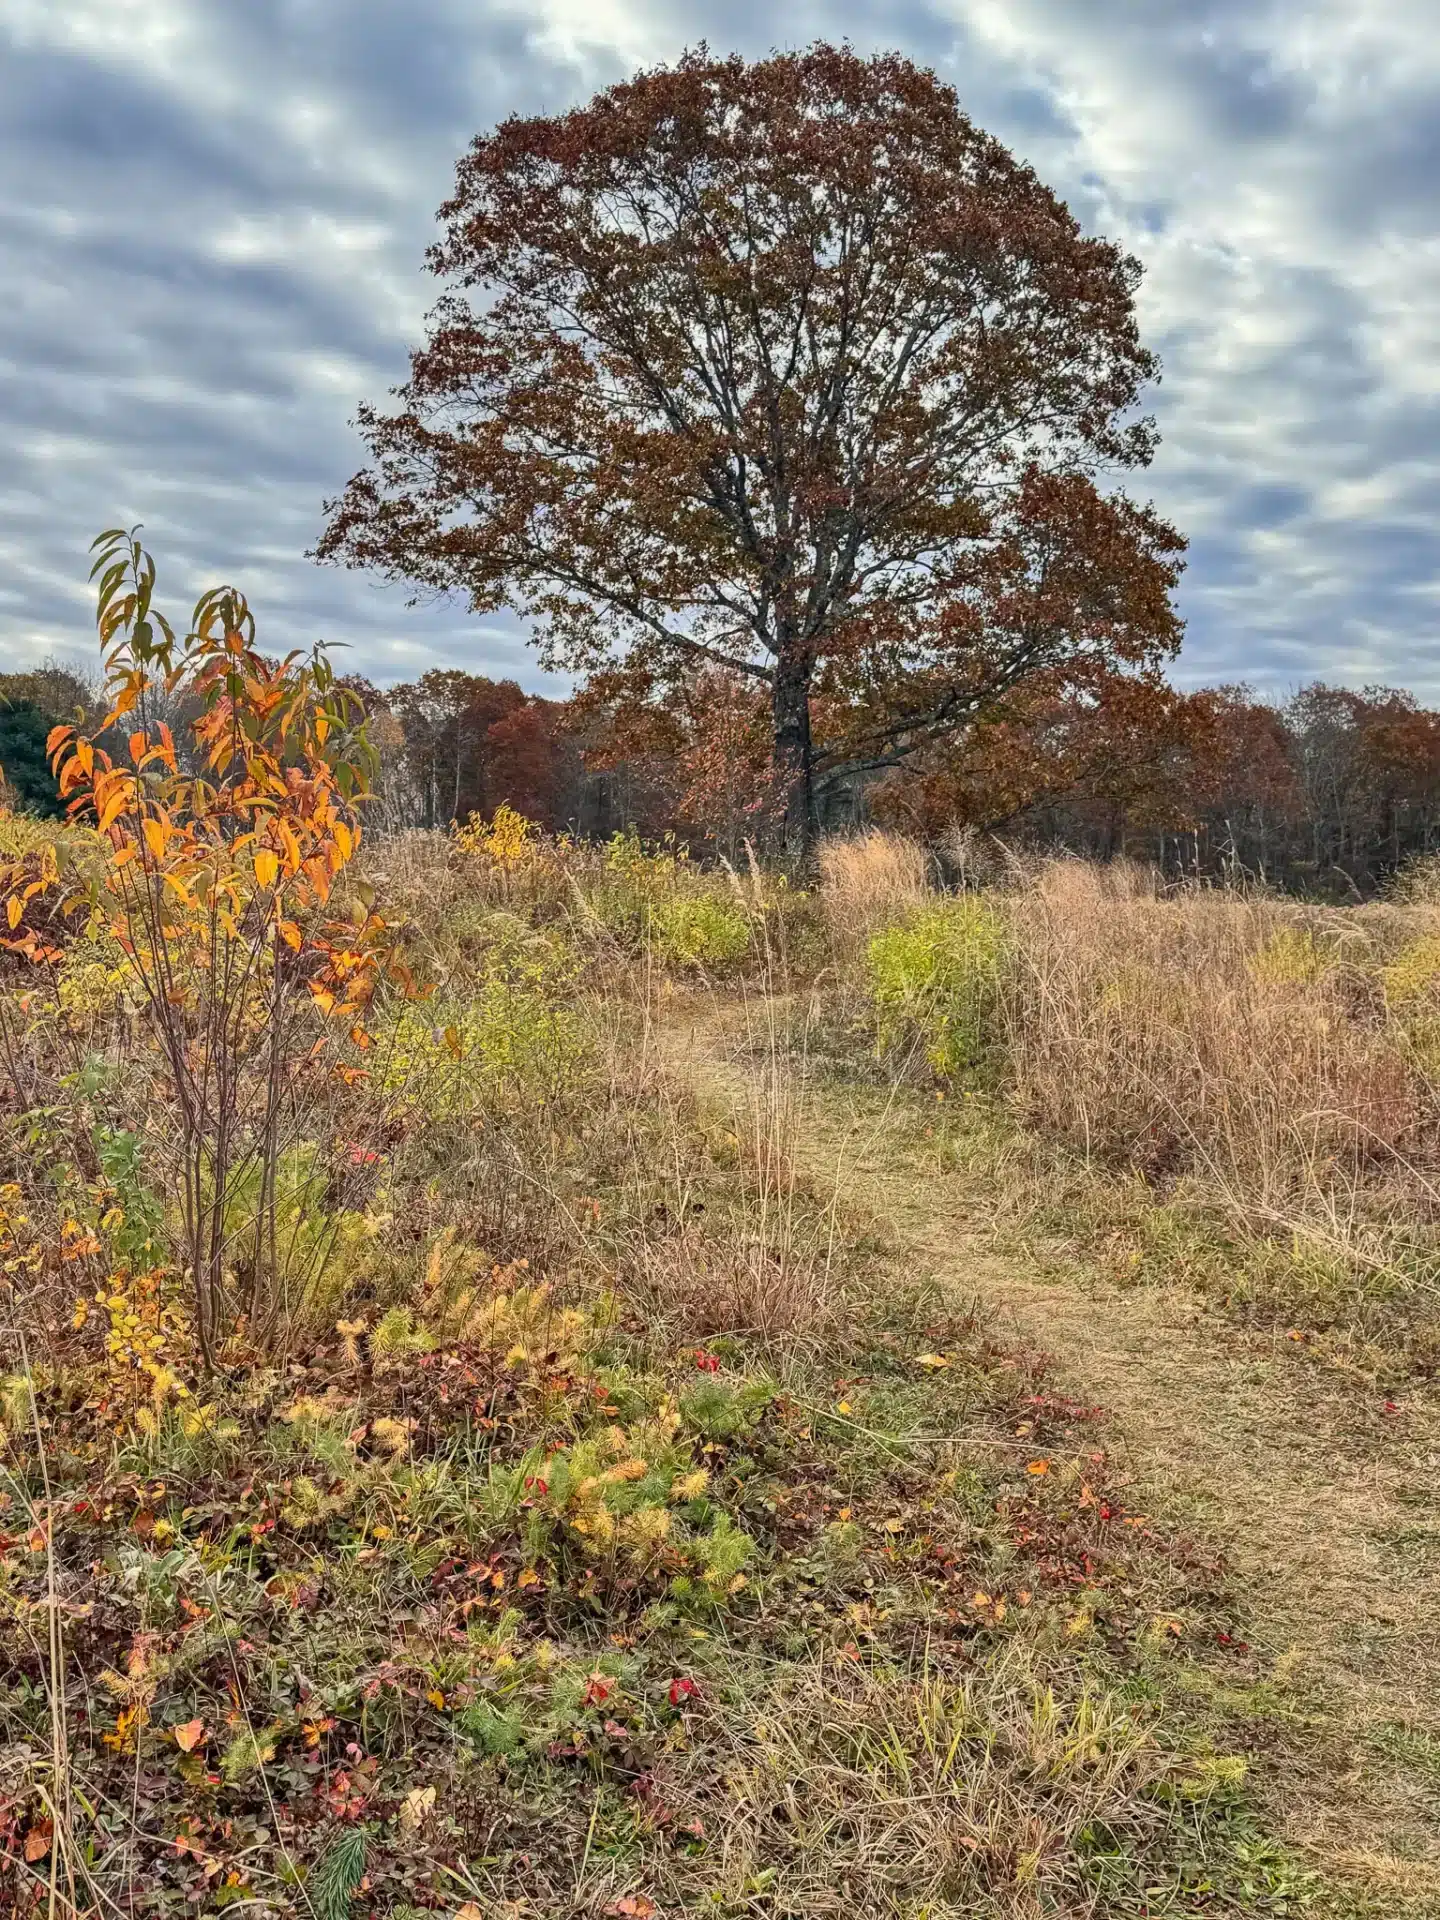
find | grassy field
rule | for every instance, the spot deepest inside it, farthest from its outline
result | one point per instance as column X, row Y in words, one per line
column 766, row 1400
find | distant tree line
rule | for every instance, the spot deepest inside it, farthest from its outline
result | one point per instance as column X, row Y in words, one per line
column 1326, row 791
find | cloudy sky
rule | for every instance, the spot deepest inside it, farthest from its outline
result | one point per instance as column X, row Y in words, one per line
column 213, row 214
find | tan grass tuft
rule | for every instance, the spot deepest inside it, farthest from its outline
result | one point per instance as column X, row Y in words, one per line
column 869, row 880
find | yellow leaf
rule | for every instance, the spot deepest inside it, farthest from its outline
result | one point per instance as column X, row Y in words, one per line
column 416, row 1807
column 843, row 1406
column 155, row 838
column 267, row 868
column 435, row 1697
column 932, row 1360
column 290, row 934
column 13, row 910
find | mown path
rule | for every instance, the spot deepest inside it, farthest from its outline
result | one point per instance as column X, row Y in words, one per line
column 1325, row 1500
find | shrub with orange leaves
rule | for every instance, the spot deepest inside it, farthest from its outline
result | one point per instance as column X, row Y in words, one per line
column 221, row 855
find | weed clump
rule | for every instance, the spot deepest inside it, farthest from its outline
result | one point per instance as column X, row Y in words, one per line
column 935, row 982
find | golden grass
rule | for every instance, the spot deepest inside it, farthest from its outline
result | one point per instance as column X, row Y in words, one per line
column 1236, row 1035
column 870, row 880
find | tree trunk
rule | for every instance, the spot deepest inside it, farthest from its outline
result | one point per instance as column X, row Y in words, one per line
column 793, row 758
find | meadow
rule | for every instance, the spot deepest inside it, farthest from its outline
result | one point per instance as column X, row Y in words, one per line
column 545, row 1378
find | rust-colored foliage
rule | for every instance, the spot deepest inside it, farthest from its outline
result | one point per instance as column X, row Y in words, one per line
column 783, row 367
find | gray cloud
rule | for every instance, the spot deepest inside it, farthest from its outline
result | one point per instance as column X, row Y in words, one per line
column 213, row 215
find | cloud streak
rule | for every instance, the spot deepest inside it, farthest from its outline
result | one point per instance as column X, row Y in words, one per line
column 213, row 215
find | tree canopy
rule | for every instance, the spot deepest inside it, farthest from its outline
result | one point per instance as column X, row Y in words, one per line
column 785, row 368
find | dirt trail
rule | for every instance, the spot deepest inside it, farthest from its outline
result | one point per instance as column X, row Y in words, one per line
column 1326, row 1504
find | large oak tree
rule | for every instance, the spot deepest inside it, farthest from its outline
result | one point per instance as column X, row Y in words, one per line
column 784, row 367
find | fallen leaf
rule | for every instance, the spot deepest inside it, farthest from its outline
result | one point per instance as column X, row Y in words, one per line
column 1038, row 1466
column 37, row 1841
column 417, row 1805
column 933, row 1360
column 189, row 1736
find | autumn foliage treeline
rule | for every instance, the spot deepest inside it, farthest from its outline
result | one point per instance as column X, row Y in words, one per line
column 1325, row 792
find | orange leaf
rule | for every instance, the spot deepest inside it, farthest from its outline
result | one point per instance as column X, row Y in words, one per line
column 189, row 1736
column 37, row 1841
column 155, row 838
column 113, row 806
column 1038, row 1466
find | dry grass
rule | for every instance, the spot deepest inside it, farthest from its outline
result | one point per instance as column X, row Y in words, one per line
column 870, row 880
column 880, row 1791
column 741, row 1241
column 1232, row 1052
column 1210, row 1030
